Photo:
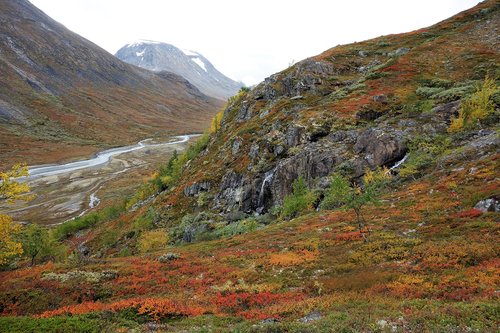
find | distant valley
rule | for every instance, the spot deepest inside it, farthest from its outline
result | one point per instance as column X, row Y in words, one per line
column 63, row 97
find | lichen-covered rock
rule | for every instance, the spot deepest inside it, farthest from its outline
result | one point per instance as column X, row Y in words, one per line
column 244, row 112
column 83, row 250
column 293, row 135
column 447, row 110
column 230, row 193
column 235, row 148
column 488, row 205
column 351, row 151
column 196, row 188
column 381, row 99
column 399, row 52
column 168, row 257
column 254, row 151
column 191, row 232
column 311, row 163
column 313, row 316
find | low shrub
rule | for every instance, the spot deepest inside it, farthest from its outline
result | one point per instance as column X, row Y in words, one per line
column 145, row 222
column 299, row 201
column 86, row 221
column 478, row 106
column 237, row 228
column 193, row 227
column 427, row 92
column 152, row 240
column 453, row 93
column 423, row 153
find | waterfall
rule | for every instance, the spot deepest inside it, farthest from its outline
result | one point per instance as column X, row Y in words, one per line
column 268, row 178
column 395, row 166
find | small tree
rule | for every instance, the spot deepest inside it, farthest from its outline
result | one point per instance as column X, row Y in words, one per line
column 351, row 196
column 9, row 247
column 216, row 122
column 478, row 106
column 299, row 201
column 11, row 190
column 35, row 241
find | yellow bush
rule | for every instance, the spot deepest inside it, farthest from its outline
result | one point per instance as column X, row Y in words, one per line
column 152, row 240
column 216, row 120
column 9, row 248
column 476, row 107
column 9, row 188
column 456, row 124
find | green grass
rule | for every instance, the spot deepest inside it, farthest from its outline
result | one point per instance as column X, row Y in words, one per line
column 70, row 227
column 77, row 324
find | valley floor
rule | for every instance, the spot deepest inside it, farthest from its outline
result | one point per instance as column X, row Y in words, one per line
column 63, row 196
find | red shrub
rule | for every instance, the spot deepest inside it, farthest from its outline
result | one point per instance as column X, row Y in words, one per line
column 471, row 213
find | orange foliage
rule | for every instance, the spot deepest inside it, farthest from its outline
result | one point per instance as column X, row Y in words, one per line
column 241, row 303
column 349, row 236
column 157, row 308
column 290, row 258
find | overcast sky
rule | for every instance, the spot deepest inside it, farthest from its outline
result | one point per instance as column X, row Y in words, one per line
column 247, row 40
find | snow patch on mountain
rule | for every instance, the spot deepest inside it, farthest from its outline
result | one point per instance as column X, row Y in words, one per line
column 142, row 42
column 199, row 63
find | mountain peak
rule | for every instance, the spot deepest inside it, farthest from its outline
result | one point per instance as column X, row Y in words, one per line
column 159, row 56
column 142, row 42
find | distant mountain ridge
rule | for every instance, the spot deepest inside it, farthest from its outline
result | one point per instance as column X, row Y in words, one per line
column 61, row 96
column 191, row 65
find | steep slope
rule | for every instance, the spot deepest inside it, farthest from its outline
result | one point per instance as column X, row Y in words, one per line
column 351, row 108
column 191, row 65
column 212, row 252
column 62, row 96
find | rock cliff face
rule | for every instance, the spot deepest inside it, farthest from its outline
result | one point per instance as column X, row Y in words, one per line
column 191, row 65
column 292, row 151
column 349, row 109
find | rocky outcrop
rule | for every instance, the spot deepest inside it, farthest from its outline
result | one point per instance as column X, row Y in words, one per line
column 293, row 135
column 313, row 162
column 313, row 316
column 231, row 191
column 196, row 188
column 488, row 205
column 447, row 110
column 380, row 147
column 346, row 110
column 244, row 113
column 236, row 146
column 350, row 151
column 167, row 257
column 308, row 76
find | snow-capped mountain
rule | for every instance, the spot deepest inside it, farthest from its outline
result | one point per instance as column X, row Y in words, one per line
column 157, row 56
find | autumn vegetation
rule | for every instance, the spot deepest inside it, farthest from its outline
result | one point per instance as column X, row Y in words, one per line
column 398, row 249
